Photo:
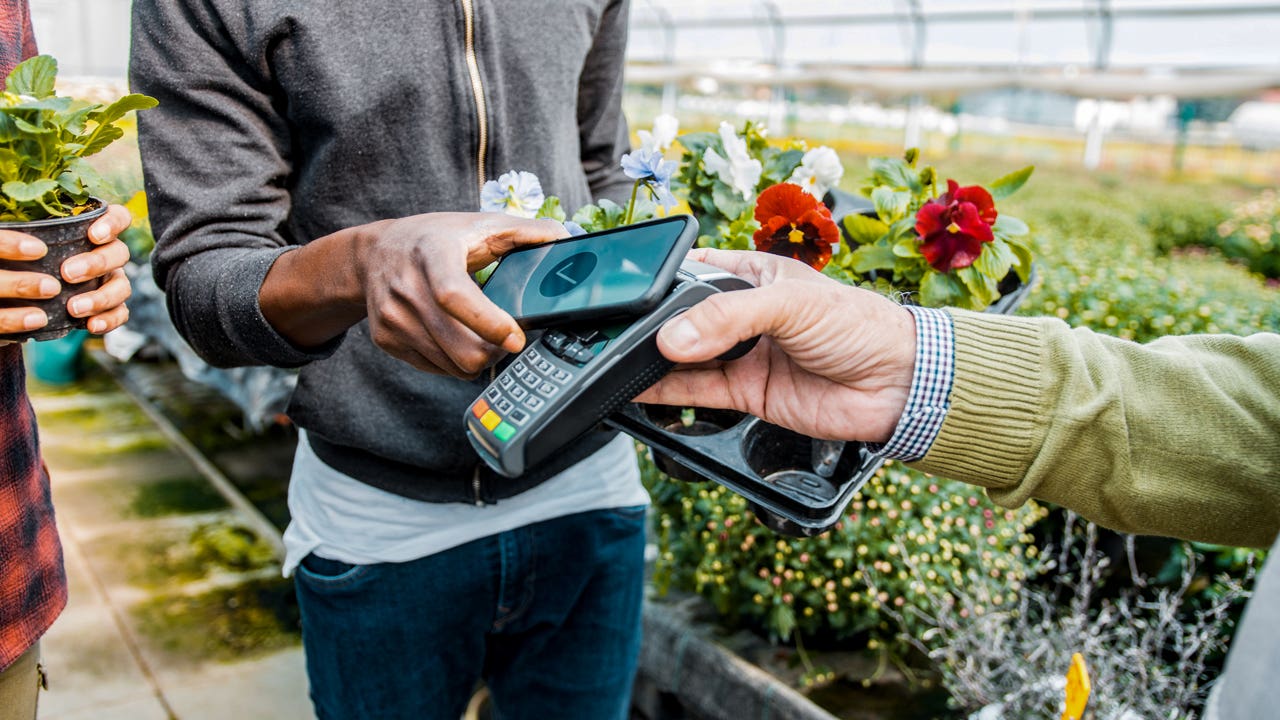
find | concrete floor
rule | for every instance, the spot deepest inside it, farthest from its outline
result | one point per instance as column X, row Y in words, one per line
column 149, row 564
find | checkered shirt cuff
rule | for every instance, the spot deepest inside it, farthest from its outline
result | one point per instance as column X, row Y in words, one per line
column 930, row 395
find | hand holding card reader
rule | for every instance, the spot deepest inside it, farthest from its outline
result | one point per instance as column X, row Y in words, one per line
column 571, row 378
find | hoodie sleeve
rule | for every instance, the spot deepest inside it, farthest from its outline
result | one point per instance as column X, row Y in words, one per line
column 602, row 128
column 216, row 159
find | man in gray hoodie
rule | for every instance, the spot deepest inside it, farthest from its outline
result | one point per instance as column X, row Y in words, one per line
column 295, row 150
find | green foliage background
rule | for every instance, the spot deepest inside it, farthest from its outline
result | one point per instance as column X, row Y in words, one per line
column 1101, row 245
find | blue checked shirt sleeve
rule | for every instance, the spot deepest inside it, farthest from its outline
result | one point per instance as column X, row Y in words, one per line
column 930, row 395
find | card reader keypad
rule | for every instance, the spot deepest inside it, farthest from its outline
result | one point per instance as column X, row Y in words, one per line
column 523, row 389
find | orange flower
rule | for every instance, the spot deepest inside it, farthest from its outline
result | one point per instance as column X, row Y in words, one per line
column 795, row 224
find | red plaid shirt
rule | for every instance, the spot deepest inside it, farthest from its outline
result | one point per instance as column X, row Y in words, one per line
column 33, row 585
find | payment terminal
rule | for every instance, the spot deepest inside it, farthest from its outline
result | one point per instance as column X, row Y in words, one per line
column 572, row 377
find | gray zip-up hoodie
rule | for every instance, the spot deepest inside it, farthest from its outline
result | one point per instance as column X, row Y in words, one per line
column 283, row 121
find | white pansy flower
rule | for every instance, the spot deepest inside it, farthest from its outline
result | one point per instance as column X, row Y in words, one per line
column 738, row 170
column 515, row 192
column 665, row 129
column 818, row 172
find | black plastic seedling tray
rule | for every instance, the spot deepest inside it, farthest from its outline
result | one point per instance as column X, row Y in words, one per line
column 770, row 466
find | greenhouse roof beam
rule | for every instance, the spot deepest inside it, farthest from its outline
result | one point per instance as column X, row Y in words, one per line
column 984, row 14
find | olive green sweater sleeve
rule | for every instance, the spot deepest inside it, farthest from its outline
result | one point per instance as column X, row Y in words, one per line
column 1178, row 437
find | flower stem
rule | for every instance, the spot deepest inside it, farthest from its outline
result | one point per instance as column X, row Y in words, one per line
column 631, row 204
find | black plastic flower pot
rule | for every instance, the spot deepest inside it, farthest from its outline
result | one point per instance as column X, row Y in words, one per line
column 65, row 237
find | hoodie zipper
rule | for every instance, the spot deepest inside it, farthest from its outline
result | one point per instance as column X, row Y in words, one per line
column 482, row 149
column 477, row 87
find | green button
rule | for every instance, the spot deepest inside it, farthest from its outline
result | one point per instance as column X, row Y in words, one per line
column 504, row 431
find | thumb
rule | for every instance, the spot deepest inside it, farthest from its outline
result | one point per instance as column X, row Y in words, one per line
column 713, row 326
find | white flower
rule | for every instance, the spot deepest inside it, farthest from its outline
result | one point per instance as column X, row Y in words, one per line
column 818, row 172
column 739, row 171
column 665, row 128
column 515, row 192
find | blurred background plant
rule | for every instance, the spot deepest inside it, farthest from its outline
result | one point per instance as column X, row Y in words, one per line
column 1150, row 650
column 917, row 536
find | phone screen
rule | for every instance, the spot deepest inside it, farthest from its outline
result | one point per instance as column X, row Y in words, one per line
column 625, row 270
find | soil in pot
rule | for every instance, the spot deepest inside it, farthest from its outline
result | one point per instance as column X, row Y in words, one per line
column 65, row 237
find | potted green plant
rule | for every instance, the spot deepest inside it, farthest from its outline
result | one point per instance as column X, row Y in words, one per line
column 45, row 182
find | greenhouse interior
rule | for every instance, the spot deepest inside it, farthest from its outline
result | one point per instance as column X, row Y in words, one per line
column 966, row 404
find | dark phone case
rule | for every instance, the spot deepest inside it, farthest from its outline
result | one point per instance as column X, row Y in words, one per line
column 658, row 288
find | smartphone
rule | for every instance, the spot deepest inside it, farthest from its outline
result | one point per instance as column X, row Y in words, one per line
column 624, row 272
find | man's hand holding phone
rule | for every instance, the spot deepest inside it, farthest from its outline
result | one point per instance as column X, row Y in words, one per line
column 411, row 277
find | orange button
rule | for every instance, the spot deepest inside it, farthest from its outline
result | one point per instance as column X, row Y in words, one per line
column 490, row 420
column 480, row 408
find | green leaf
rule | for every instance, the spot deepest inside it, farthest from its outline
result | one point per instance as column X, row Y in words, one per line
column 995, row 259
column 31, row 129
column 890, row 205
column 28, row 192
column 551, row 209
column 8, row 129
column 34, row 77
column 1009, row 184
column 878, row 256
column 74, row 121
column 697, row 143
column 895, row 174
column 982, row 289
column 117, row 109
column 56, row 104
column 1022, row 264
column 1009, row 226
column 90, row 176
column 779, row 165
column 863, row 230
column 907, row 248
column 71, row 183
column 728, row 201
column 941, row 290
column 99, row 139
column 906, row 227
column 590, row 217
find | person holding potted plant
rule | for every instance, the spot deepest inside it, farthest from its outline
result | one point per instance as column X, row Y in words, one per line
column 302, row 170
column 33, row 585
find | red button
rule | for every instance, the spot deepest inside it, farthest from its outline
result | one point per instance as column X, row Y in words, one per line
column 480, row 408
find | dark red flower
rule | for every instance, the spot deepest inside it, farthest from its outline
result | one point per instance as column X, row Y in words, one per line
column 795, row 224
column 953, row 227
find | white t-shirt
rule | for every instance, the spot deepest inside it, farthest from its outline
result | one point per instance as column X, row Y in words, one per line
column 341, row 518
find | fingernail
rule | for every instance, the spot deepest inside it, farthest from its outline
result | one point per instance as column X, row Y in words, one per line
column 513, row 343
column 99, row 232
column 79, row 306
column 74, row 268
column 680, row 335
column 97, row 326
column 31, row 246
column 34, row 320
column 49, row 286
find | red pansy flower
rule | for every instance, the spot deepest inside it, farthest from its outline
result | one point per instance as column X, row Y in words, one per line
column 953, row 227
column 795, row 224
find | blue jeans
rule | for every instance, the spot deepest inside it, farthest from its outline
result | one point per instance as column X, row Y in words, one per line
column 547, row 614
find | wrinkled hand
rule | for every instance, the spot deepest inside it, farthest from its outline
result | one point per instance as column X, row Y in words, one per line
column 422, row 304
column 104, row 307
column 835, row 361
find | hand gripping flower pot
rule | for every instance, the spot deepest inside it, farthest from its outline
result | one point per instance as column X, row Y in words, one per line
column 65, row 237
column 45, row 179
